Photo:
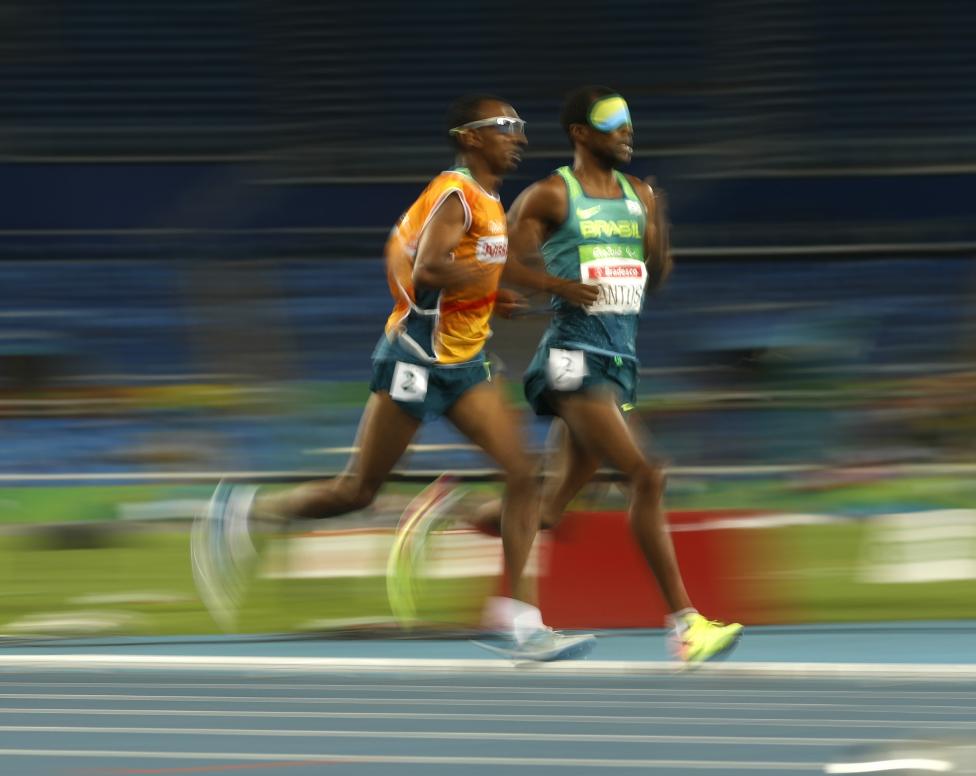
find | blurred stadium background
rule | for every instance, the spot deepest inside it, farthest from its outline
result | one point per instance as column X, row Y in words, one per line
column 195, row 198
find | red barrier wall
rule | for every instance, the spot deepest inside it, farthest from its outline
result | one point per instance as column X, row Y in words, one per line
column 596, row 577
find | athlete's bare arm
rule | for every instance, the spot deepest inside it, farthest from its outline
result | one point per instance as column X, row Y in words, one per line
column 434, row 265
column 657, row 239
column 536, row 213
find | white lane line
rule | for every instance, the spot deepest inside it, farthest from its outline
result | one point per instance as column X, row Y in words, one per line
column 324, row 758
column 913, row 764
column 955, row 672
column 478, row 702
column 562, row 719
column 561, row 690
column 449, row 735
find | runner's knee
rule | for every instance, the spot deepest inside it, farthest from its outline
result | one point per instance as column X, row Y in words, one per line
column 358, row 493
column 520, row 479
column 648, row 481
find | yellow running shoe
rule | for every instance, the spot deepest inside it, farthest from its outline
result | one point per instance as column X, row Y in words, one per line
column 694, row 639
column 425, row 514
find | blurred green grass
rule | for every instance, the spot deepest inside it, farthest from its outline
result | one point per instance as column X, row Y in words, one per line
column 65, row 550
column 142, row 579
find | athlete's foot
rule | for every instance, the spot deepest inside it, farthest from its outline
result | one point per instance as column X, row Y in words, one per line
column 694, row 639
column 427, row 513
column 222, row 551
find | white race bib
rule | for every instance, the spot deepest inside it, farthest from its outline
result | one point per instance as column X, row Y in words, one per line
column 409, row 382
column 619, row 273
column 566, row 369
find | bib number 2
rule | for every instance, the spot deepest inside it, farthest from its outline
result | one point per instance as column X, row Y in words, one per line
column 409, row 382
column 566, row 369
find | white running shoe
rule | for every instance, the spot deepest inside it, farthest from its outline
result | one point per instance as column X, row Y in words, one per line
column 222, row 552
column 544, row 645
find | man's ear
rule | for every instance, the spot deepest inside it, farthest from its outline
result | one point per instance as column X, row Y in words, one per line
column 465, row 139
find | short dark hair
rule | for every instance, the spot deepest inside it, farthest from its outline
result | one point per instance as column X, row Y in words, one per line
column 464, row 110
column 576, row 108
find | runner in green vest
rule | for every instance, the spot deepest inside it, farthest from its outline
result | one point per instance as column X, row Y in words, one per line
column 593, row 223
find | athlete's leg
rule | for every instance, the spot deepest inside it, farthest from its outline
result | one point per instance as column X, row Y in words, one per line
column 568, row 467
column 571, row 467
column 222, row 549
column 482, row 415
column 597, row 424
column 385, row 431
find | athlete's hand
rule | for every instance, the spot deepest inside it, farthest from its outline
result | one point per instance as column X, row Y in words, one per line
column 576, row 293
column 509, row 303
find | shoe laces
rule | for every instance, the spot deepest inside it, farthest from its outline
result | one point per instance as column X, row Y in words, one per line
column 700, row 623
column 716, row 623
column 545, row 634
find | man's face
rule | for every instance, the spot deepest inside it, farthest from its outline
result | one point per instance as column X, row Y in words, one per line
column 608, row 133
column 501, row 144
column 616, row 147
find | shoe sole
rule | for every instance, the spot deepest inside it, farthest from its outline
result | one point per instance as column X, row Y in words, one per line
column 576, row 651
